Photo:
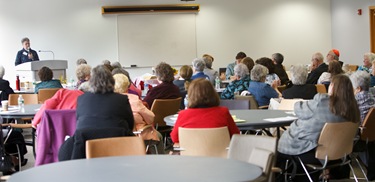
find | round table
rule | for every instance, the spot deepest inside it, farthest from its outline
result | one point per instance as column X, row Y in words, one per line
column 30, row 111
column 142, row 168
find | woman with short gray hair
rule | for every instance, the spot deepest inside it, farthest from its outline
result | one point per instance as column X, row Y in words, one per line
column 261, row 91
column 299, row 89
column 361, row 85
column 239, row 84
column 198, row 67
column 4, row 85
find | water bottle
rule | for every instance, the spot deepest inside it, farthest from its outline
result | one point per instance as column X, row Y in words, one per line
column 21, row 103
column 186, row 100
column 217, row 83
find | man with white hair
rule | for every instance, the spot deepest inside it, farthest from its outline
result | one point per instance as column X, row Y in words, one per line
column 198, row 67
column 318, row 66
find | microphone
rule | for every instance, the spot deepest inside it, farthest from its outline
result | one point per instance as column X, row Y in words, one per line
column 53, row 54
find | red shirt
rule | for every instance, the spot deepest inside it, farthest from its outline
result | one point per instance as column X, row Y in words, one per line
column 212, row 117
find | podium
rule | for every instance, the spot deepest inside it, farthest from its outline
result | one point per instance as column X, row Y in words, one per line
column 29, row 71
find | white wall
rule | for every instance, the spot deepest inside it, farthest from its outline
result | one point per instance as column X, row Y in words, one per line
column 76, row 29
column 350, row 31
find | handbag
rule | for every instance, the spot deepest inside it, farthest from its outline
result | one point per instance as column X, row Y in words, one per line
column 6, row 163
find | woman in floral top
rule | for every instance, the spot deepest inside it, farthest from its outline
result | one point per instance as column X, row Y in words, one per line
column 241, row 82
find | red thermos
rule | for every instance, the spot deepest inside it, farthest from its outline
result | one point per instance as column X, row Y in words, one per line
column 18, row 83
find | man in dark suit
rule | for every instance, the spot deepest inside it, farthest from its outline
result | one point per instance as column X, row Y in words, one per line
column 317, row 68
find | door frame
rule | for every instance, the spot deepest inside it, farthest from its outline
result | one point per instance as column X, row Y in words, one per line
column 372, row 28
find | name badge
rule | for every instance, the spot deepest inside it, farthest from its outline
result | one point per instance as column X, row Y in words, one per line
column 25, row 53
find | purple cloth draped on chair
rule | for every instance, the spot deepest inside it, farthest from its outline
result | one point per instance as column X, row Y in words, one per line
column 51, row 132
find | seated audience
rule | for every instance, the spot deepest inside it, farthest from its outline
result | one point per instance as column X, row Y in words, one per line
column 372, row 83
column 300, row 139
column 271, row 76
column 211, row 73
column 367, row 60
column 81, row 61
column 278, row 59
column 100, row 113
column 166, row 89
column 334, row 68
column 45, row 75
column 203, row 110
column 317, row 68
column 299, row 89
column 4, row 86
column 261, row 91
column 249, row 62
column 183, row 82
column 198, row 67
column 83, row 72
column 229, row 73
column 240, row 84
column 132, row 89
column 116, row 64
column 143, row 117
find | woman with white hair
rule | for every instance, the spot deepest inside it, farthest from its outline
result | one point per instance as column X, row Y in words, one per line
column 198, row 67
column 239, row 84
column 143, row 117
column 299, row 89
column 361, row 85
column 367, row 60
column 261, row 91
column 365, row 101
column 4, row 86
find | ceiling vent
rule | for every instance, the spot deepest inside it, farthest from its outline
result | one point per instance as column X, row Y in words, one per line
column 174, row 8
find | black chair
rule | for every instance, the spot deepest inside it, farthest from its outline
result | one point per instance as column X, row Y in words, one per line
column 235, row 104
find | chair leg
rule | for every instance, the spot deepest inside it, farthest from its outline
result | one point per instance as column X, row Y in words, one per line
column 360, row 166
column 304, row 168
column 351, row 168
column 33, row 141
column 19, row 157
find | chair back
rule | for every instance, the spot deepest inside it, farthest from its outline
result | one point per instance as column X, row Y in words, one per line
column 288, row 104
column 28, row 99
column 281, row 88
column 336, row 140
column 235, row 104
column 258, row 150
column 115, row 146
column 353, row 67
column 164, row 107
column 321, row 88
column 204, row 141
column 250, row 98
column 46, row 93
column 368, row 126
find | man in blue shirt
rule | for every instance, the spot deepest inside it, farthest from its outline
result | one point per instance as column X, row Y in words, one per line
column 26, row 54
column 229, row 73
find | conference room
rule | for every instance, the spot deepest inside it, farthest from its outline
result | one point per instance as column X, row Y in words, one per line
column 70, row 30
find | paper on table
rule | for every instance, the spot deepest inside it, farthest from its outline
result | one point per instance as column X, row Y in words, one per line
column 239, row 120
column 9, row 111
column 287, row 118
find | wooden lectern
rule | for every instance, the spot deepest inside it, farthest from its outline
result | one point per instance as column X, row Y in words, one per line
column 29, row 71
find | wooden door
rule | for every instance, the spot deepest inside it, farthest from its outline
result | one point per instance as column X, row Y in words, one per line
column 372, row 28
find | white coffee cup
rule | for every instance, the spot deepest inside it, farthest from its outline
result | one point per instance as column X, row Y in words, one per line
column 4, row 105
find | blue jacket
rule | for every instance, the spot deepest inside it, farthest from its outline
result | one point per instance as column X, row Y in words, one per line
column 262, row 92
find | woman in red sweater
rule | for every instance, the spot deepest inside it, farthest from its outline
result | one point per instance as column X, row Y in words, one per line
column 203, row 110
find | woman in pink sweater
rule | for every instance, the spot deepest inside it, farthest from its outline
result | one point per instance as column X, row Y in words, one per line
column 203, row 110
